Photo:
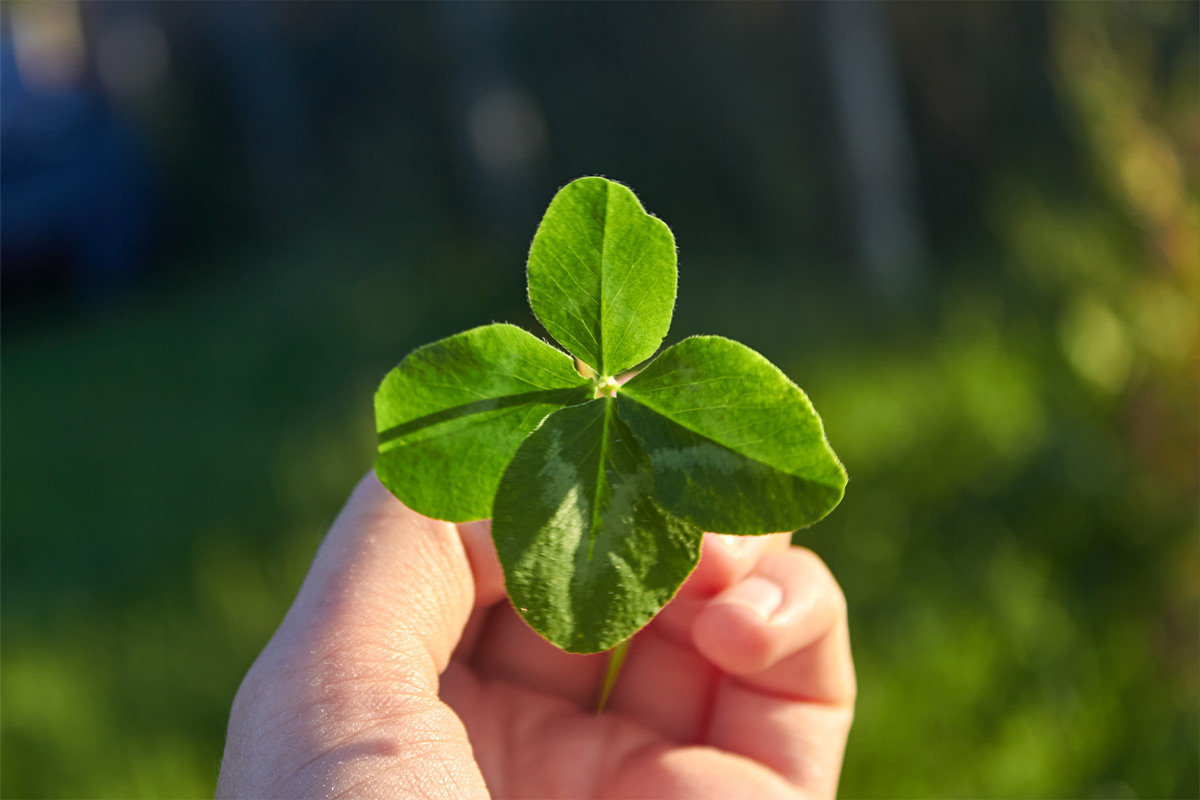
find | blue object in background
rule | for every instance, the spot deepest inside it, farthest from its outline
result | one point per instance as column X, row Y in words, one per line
column 74, row 187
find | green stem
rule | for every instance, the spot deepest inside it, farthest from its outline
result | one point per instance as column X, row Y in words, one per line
column 616, row 657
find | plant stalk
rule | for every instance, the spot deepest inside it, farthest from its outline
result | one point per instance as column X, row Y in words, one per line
column 616, row 657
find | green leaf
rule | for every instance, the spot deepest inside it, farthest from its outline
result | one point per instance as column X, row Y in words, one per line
column 736, row 447
column 452, row 414
column 589, row 556
column 602, row 275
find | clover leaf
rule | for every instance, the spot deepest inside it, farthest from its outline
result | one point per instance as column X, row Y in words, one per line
column 598, row 492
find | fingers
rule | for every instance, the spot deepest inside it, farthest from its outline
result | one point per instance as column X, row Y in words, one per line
column 665, row 686
column 511, row 651
column 724, row 560
column 782, row 630
column 786, row 699
column 498, row 644
column 533, row 745
column 664, row 682
column 801, row 742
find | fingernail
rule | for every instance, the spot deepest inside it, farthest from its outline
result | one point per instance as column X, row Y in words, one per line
column 757, row 594
column 741, row 547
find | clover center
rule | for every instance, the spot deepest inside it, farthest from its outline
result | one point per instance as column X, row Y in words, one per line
column 607, row 387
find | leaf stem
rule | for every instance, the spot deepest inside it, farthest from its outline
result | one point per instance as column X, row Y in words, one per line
column 616, row 657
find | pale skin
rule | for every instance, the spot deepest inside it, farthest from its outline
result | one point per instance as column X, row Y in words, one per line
column 402, row 671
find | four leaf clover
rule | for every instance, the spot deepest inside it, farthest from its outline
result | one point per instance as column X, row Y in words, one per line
column 598, row 492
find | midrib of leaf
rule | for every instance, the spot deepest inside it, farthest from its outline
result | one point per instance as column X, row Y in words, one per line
column 562, row 397
column 605, row 309
column 642, row 390
column 601, row 461
column 608, row 188
column 629, row 229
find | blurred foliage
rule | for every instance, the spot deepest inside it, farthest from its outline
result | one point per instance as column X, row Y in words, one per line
column 1018, row 542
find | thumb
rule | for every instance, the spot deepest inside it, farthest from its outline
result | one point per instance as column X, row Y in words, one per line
column 344, row 699
column 386, row 577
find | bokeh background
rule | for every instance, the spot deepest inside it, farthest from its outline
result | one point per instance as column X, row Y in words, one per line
column 969, row 231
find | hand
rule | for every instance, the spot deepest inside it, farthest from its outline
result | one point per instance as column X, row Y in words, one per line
column 400, row 671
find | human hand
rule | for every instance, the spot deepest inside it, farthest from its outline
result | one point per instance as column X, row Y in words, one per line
column 400, row 672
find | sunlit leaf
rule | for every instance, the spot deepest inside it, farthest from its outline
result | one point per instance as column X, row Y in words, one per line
column 452, row 414
column 602, row 275
column 589, row 555
column 736, row 447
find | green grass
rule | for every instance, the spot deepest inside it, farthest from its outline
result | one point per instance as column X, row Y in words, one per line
column 1021, row 576
column 170, row 466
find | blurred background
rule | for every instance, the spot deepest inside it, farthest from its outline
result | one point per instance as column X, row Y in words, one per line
column 969, row 231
